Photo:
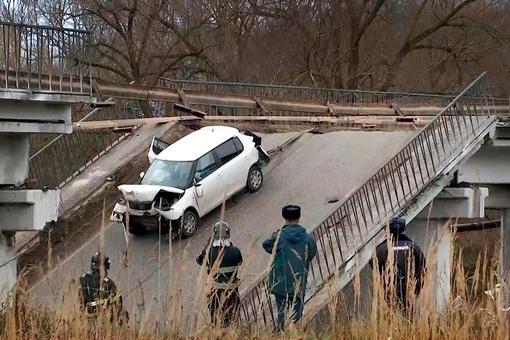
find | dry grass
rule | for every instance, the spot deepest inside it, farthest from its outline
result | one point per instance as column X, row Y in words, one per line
column 470, row 313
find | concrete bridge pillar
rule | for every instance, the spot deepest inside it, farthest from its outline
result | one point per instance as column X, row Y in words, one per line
column 435, row 239
column 431, row 230
column 22, row 208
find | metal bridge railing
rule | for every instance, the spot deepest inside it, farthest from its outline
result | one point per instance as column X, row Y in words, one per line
column 352, row 97
column 68, row 155
column 364, row 213
column 33, row 55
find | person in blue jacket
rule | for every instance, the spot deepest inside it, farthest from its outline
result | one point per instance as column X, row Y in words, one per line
column 293, row 250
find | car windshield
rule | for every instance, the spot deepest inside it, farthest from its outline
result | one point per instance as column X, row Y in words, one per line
column 168, row 173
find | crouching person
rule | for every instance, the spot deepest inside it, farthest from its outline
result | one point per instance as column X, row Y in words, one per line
column 223, row 259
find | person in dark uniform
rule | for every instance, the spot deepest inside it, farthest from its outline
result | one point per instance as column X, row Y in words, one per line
column 98, row 290
column 409, row 262
column 223, row 259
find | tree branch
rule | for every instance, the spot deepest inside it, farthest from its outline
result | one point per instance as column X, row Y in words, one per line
column 444, row 22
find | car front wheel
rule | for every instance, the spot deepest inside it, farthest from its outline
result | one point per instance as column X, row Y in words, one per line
column 255, row 179
column 189, row 223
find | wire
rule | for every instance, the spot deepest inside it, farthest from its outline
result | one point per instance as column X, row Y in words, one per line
column 9, row 261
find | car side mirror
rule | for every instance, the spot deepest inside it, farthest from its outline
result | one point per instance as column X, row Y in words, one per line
column 142, row 174
column 198, row 190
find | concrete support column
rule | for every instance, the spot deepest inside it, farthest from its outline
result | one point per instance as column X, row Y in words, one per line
column 444, row 259
column 431, row 230
column 435, row 239
column 14, row 152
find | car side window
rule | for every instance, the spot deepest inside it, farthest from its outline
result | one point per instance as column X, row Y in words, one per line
column 206, row 165
column 238, row 144
column 226, row 152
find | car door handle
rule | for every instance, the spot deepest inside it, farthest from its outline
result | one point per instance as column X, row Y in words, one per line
column 245, row 158
column 219, row 176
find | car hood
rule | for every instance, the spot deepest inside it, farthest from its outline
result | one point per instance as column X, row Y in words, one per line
column 144, row 193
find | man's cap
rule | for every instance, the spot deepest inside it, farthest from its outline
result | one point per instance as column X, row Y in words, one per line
column 291, row 212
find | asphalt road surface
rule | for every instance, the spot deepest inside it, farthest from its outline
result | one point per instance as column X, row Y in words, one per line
column 163, row 284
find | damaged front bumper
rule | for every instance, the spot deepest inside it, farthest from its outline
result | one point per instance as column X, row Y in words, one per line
column 139, row 201
column 119, row 213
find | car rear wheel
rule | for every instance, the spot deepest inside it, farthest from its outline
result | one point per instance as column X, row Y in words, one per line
column 189, row 223
column 255, row 179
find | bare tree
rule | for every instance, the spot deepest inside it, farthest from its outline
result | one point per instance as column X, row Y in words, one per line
column 430, row 19
column 18, row 11
column 428, row 45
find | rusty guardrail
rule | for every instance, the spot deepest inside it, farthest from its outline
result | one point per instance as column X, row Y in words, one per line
column 48, row 53
column 363, row 213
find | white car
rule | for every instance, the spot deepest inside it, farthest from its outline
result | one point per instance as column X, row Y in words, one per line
column 189, row 178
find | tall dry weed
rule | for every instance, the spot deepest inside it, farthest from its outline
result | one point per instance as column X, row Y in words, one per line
column 466, row 315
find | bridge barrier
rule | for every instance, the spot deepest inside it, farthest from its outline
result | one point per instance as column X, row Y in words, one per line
column 354, row 98
column 49, row 53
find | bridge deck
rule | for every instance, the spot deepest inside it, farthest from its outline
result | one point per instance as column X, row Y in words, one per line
column 290, row 177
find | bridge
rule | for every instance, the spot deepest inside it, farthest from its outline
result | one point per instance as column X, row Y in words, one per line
column 413, row 166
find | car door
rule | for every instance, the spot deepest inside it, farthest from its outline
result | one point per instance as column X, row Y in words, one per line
column 245, row 162
column 210, row 183
column 230, row 166
column 157, row 145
